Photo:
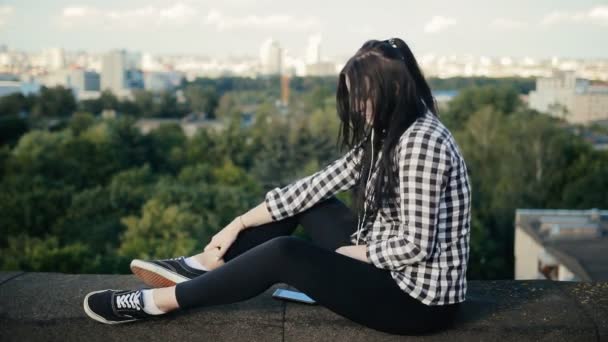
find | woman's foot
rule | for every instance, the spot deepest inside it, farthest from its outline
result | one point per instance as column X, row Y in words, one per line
column 164, row 272
column 116, row 306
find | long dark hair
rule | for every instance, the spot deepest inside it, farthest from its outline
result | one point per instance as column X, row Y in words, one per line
column 390, row 77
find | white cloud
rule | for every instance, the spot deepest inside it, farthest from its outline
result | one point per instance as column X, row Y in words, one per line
column 175, row 14
column 6, row 12
column 507, row 24
column 599, row 12
column 224, row 22
column 78, row 12
column 179, row 13
column 439, row 23
column 362, row 29
column 597, row 15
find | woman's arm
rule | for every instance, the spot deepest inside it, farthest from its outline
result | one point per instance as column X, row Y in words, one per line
column 424, row 165
column 355, row 251
column 339, row 175
column 289, row 200
column 279, row 203
column 254, row 217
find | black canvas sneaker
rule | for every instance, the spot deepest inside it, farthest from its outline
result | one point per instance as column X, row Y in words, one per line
column 164, row 272
column 115, row 306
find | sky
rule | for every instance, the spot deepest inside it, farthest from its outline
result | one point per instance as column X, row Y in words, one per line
column 539, row 28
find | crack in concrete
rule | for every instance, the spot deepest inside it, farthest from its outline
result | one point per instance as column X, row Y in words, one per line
column 283, row 330
column 13, row 277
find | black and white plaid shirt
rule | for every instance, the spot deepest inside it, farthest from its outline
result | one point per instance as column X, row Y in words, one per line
column 422, row 237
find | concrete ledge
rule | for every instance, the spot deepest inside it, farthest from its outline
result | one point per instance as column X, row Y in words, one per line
column 48, row 306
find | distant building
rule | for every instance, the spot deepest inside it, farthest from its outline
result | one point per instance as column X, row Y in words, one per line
column 54, row 58
column 573, row 99
column 11, row 85
column 113, row 68
column 598, row 140
column 315, row 64
column 561, row 244
column 82, row 82
column 120, row 73
column 444, row 96
column 313, row 49
column 325, row 68
column 271, row 58
column 161, row 80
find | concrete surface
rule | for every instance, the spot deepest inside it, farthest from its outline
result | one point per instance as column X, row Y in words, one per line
column 48, row 307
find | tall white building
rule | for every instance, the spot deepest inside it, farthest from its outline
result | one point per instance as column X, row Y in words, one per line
column 120, row 72
column 574, row 99
column 315, row 65
column 113, row 71
column 54, row 59
column 313, row 50
column 271, row 57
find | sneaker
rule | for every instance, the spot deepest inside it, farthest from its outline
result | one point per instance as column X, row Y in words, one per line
column 164, row 272
column 115, row 306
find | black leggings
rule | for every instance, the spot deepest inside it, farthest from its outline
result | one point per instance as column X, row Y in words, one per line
column 264, row 255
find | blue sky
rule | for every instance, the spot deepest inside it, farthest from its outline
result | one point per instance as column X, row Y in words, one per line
column 540, row 28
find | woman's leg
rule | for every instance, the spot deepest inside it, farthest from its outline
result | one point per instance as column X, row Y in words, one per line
column 349, row 287
column 329, row 224
column 254, row 236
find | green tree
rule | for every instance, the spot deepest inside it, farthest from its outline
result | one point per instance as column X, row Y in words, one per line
column 11, row 129
column 13, row 104
column 161, row 231
column 81, row 121
column 43, row 254
column 56, row 101
column 202, row 99
column 129, row 189
column 167, row 148
column 588, row 183
column 91, row 219
column 503, row 99
column 31, row 205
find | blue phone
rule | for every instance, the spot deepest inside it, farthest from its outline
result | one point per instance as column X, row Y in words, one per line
column 295, row 296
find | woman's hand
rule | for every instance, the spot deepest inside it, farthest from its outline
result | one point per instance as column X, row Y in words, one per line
column 221, row 241
column 354, row 251
column 212, row 260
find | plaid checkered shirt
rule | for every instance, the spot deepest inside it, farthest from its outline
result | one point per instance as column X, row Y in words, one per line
column 421, row 237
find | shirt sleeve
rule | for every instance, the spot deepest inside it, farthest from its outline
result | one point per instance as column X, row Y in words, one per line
column 423, row 163
column 339, row 175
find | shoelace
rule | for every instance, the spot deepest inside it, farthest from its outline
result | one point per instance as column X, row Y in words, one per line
column 176, row 258
column 129, row 300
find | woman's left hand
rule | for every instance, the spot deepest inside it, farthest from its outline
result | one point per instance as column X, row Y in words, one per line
column 354, row 251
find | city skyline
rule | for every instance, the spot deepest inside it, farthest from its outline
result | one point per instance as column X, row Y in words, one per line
column 238, row 27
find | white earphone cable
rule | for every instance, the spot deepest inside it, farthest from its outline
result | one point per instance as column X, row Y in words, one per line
column 360, row 225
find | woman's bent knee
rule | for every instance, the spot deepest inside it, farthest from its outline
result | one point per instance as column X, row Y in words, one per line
column 284, row 243
column 286, row 247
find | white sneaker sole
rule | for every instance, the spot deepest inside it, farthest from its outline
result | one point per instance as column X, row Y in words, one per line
column 95, row 316
column 154, row 275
